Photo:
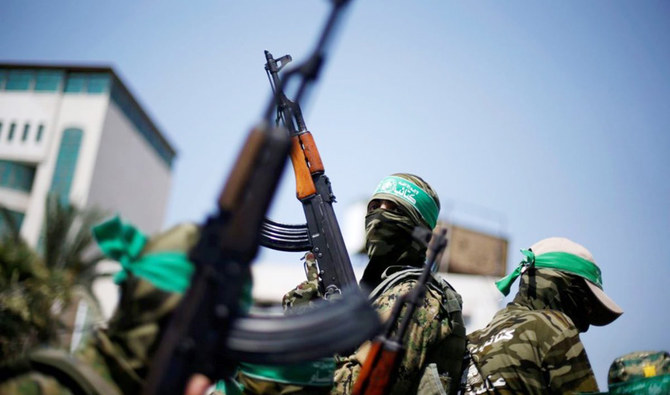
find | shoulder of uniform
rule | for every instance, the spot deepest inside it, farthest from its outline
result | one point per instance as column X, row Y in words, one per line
column 548, row 321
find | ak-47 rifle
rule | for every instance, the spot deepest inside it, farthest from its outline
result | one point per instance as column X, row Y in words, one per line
column 209, row 333
column 380, row 368
column 322, row 233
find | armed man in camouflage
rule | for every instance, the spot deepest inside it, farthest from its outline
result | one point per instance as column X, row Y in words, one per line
column 532, row 346
column 436, row 338
column 155, row 272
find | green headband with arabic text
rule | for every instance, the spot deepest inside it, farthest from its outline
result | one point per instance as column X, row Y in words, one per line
column 562, row 261
column 412, row 194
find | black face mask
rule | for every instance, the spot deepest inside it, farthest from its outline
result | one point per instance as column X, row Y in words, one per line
column 389, row 242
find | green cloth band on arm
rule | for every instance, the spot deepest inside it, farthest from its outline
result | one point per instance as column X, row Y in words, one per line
column 553, row 260
column 168, row 270
column 317, row 373
column 411, row 193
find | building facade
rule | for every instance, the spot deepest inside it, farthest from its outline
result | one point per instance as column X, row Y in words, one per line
column 79, row 133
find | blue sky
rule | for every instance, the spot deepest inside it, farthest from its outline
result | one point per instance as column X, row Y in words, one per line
column 536, row 119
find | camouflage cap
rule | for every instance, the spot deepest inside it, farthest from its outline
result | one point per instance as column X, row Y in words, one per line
column 639, row 372
column 413, row 194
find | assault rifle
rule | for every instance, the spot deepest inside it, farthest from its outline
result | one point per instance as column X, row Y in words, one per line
column 209, row 332
column 380, row 368
column 322, row 233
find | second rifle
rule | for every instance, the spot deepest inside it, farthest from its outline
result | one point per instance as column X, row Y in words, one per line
column 321, row 234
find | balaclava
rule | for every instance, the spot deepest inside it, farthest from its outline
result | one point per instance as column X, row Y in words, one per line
column 541, row 289
column 388, row 234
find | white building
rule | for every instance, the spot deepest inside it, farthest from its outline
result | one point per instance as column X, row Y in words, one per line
column 79, row 133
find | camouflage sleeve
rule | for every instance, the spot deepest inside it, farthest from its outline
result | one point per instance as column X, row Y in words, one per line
column 425, row 330
column 568, row 366
column 306, row 293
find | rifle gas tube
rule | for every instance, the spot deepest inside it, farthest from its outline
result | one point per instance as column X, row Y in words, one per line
column 321, row 234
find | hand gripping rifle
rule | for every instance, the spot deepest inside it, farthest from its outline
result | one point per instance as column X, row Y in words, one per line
column 386, row 352
column 321, row 234
column 209, row 333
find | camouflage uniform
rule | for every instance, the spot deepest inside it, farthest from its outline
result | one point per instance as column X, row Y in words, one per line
column 532, row 346
column 116, row 359
column 434, row 343
column 435, row 340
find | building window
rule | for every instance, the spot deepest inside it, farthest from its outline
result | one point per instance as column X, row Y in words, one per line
column 19, row 80
column 10, row 135
column 38, row 136
column 98, row 83
column 48, row 80
column 15, row 175
column 66, row 163
column 26, row 129
column 76, row 83
column 3, row 77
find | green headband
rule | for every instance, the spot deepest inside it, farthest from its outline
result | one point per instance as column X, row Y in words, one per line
column 562, row 261
column 317, row 373
column 168, row 270
column 411, row 193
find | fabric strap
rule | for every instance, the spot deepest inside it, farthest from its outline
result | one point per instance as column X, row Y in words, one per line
column 411, row 193
column 562, row 261
column 168, row 270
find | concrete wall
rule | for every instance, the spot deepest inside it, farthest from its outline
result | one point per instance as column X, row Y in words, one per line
column 33, row 108
column 57, row 112
column 129, row 175
column 481, row 299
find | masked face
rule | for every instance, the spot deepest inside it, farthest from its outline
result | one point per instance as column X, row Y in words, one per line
column 389, row 242
column 556, row 290
column 579, row 304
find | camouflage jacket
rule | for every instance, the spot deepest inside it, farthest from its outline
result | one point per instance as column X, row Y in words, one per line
column 532, row 347
column 435, row 339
